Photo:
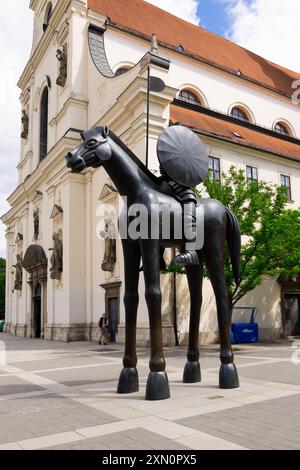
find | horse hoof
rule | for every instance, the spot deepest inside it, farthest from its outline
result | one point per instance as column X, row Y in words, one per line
column 128, row 380
column 228, row 376
column 157, row 386
column 192, row 372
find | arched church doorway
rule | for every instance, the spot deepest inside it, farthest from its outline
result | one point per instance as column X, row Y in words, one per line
column 37, row 311
column 35, row 263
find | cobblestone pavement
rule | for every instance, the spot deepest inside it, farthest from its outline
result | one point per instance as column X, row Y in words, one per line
column 63, row 396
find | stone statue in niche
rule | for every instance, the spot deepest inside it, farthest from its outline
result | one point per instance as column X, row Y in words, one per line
column 25, row 124
column 56, row 258
column 61, row 55
column 109, row 235
column 36, row 224
column 18, row 273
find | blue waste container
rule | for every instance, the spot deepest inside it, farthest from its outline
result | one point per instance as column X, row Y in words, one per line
column 232, row 338
column 245, row 332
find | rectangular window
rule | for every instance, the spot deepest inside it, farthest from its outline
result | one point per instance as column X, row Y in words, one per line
column 214, row 168
column 285, row 182
column 251, row 172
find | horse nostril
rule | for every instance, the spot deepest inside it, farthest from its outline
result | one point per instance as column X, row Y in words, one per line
column 69, row 155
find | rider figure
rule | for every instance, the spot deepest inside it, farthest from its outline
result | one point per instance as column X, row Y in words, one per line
column 183, row 164
column 189, row 203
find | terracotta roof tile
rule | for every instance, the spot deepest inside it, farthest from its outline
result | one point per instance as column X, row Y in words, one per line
column 229, row 131
column 145, row 18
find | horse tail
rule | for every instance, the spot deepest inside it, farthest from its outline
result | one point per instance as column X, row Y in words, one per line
column 233, row 238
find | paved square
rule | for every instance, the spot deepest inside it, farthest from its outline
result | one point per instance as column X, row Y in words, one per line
column 63, row 396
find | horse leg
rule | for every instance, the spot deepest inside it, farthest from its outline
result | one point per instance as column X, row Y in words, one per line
column 228, row 376
column 128, row 380
column 157, row 384
column 192, row 372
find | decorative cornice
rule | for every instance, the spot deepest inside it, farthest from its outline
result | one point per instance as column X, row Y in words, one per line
column 36, row 197
column 23, row 162
column 13, row 213
column 71, row 101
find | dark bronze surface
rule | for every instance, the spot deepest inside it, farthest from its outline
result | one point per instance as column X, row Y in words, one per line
column 133, row 180
column 182, row 156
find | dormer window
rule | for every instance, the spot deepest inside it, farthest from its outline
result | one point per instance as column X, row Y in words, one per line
column 48, row 15
column 239, row 113
column 121, row 71
column 281, row 128
column 189, row 97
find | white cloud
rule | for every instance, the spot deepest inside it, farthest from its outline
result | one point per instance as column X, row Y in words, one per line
column 15, row 46
column 185, row 9
column 269, row 28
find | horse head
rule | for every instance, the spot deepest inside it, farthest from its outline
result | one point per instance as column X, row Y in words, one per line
column 94, row 150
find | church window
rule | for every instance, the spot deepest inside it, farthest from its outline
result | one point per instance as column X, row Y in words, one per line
column 44, row 124
column 48, row 15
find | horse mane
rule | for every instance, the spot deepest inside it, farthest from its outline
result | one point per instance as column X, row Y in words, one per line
column 133, row 157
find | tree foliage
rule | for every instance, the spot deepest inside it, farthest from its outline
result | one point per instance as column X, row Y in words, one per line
column 270, row 230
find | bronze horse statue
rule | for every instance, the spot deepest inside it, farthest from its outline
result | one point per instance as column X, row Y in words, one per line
column 101, row 147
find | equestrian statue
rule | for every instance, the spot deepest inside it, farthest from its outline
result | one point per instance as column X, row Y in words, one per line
column 184, row 164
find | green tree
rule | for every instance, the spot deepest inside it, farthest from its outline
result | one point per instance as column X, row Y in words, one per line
column 2, row 288
column 270, row 230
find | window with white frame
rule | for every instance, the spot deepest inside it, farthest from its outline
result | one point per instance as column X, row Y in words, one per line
column 285, row 182
column 251, row 172
column 214, row 168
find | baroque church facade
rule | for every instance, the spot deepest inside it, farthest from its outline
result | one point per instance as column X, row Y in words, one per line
column 88, row 66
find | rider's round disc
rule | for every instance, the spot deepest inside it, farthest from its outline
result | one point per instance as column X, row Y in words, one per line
column 182, row 156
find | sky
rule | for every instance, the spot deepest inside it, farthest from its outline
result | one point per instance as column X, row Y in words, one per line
column 268, row 27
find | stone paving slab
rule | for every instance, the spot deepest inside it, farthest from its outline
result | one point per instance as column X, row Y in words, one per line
column 90, row 375
column 274, row 353
column 43, row 415
column 14, row 385
column 284, row 372
column 62, row 362
column 205, row 361
column 57, row 395
column 272, row 424
column 134, row 439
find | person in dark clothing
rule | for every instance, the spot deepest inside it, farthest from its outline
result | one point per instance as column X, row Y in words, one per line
column 103, row 328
